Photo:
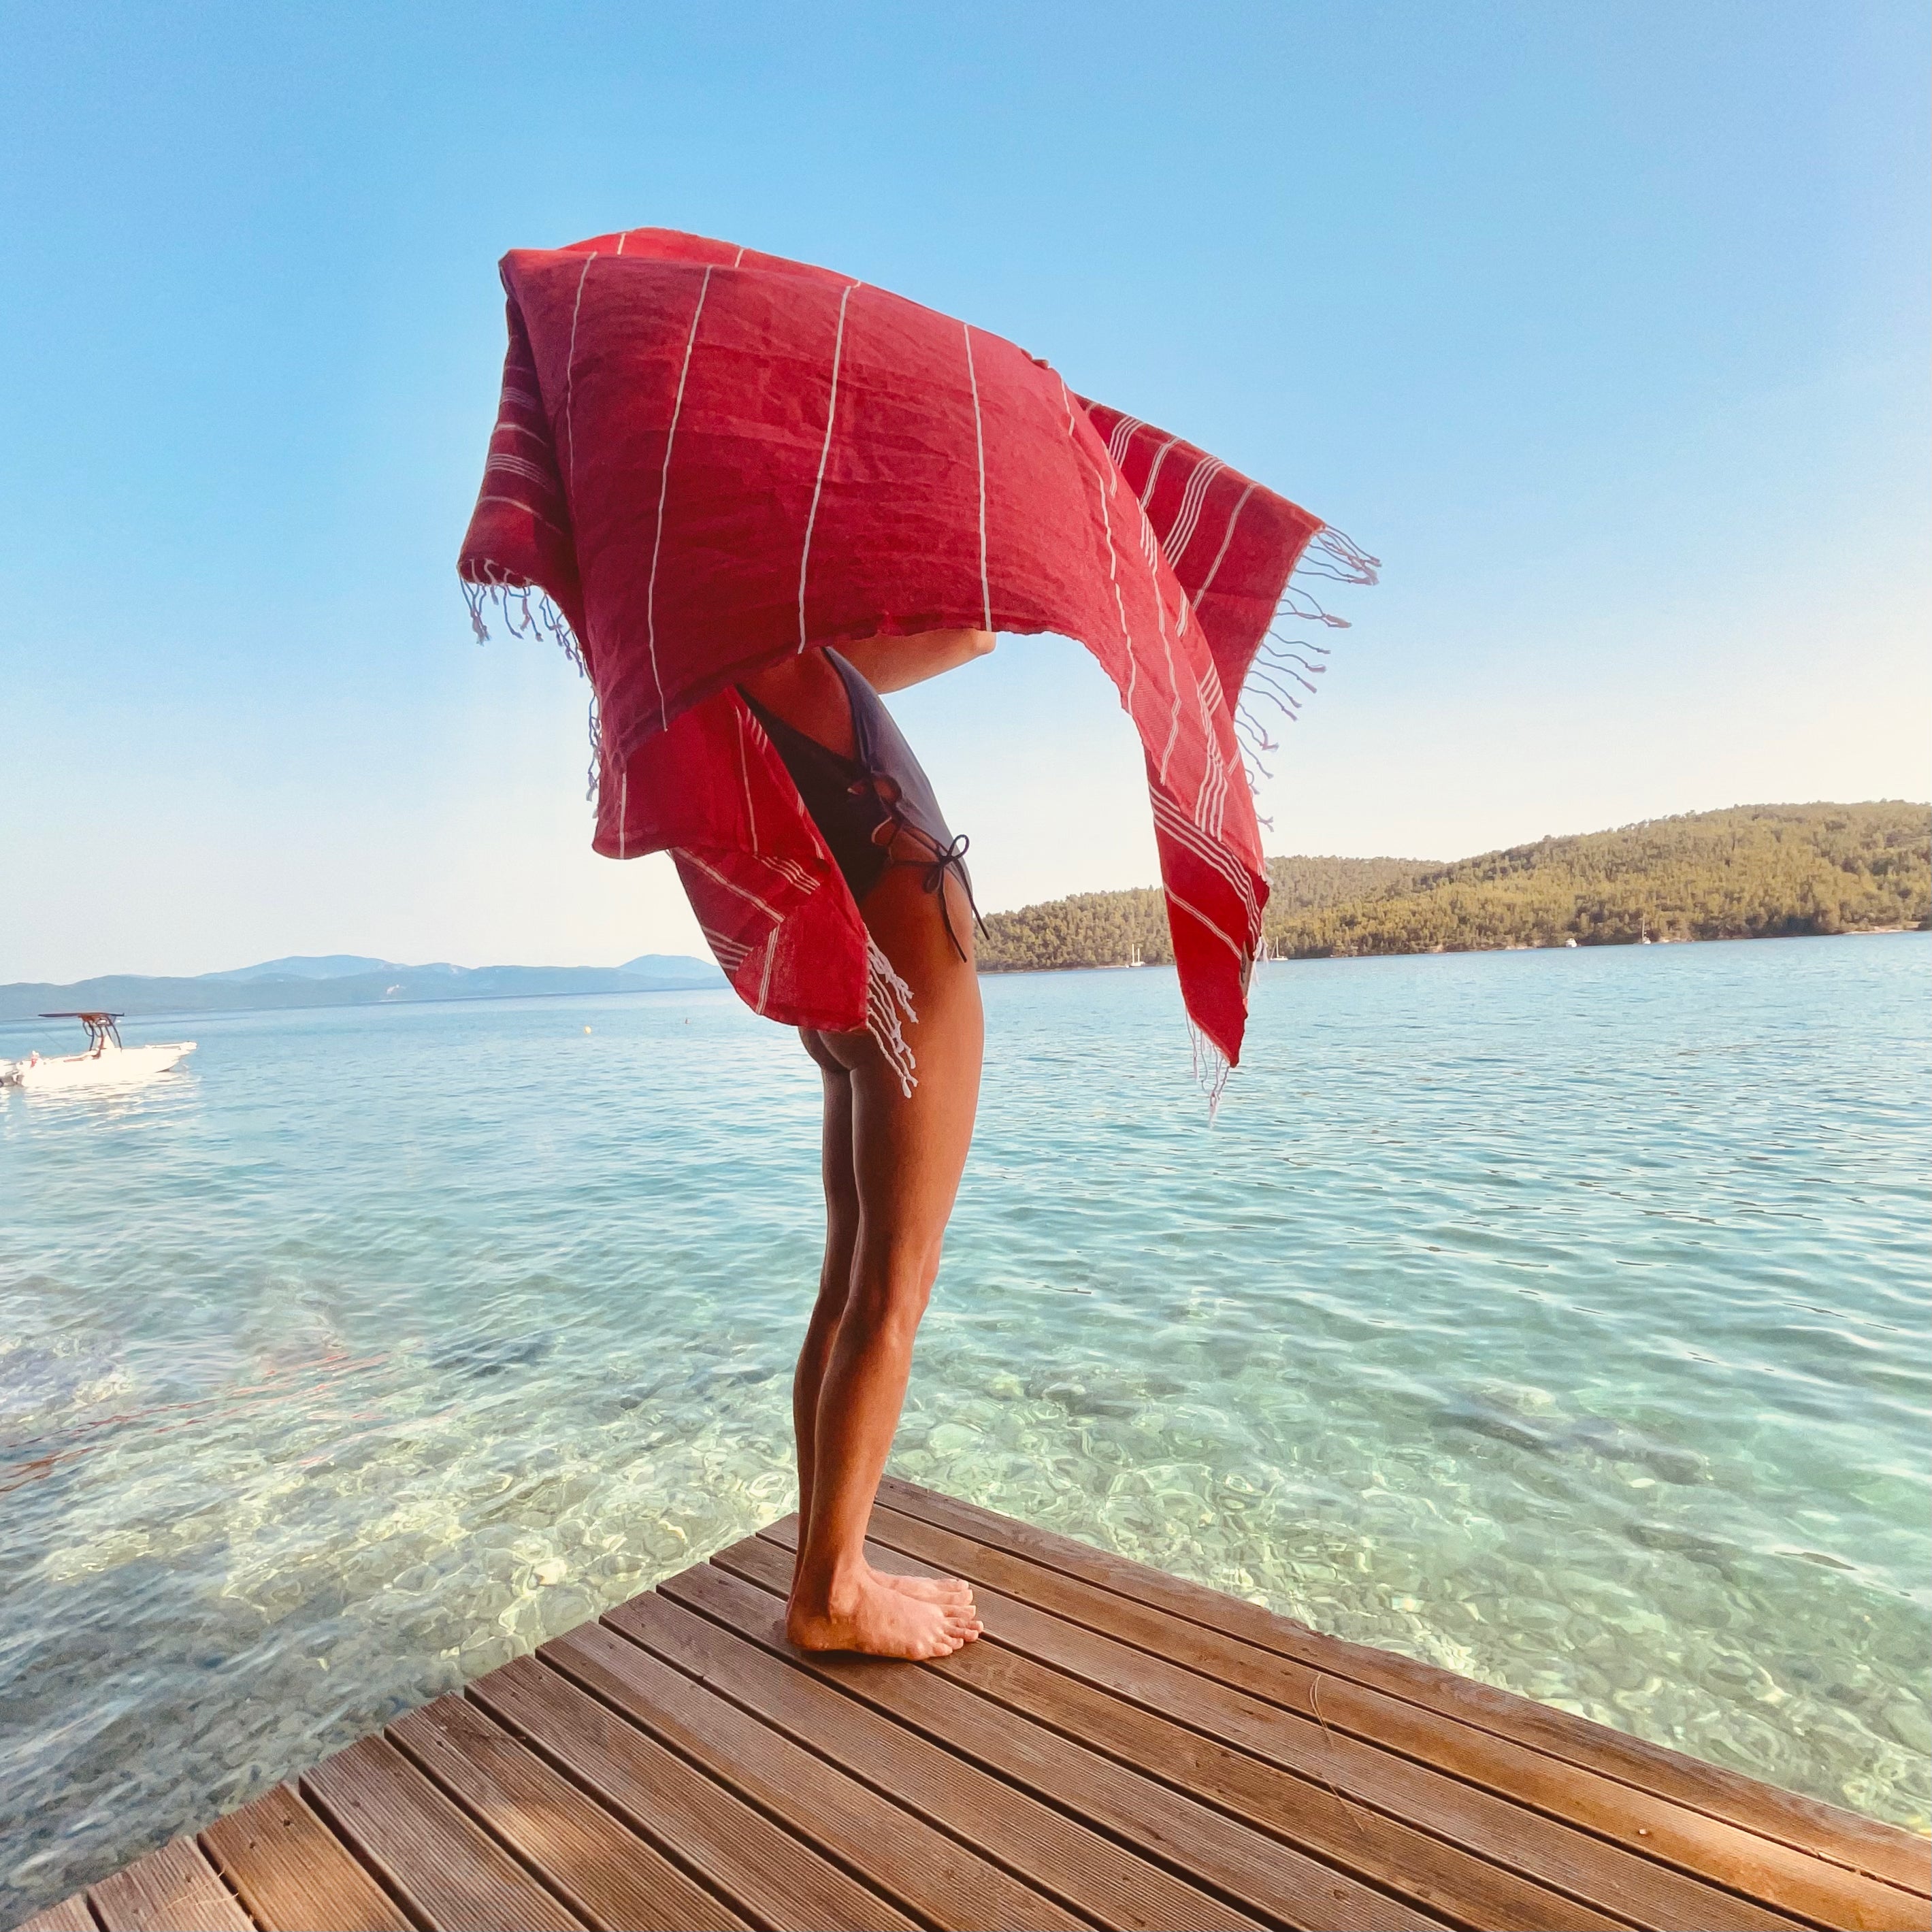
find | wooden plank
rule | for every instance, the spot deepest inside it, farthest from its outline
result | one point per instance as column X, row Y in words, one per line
column 293, row 1874
column 1702, row 1847
column 172, row 1890
column 1883, row 1851
column 1121, row 1749
column 1269, row 1880
column 449, row 1874
column 997, row 1726
column 1601, row 1875
column 926, row 1873
column 767, row 1873
column 604, row 1871
column 70, row 1915
column 1088, row 1873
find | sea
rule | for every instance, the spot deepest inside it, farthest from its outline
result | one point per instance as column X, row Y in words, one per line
column 1557, row 1317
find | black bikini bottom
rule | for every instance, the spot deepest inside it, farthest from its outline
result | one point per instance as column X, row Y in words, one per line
column 864, row 805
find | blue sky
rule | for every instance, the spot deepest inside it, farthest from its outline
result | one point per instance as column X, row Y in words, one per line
column 1604, row 326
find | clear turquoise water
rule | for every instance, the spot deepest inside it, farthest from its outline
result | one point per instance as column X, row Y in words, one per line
column 1557, row 1317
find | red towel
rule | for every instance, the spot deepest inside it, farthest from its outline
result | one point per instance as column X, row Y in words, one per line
column 706, row 459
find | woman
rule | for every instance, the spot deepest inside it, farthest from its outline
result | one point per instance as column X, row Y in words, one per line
column 893, row 1150
column 706, row 462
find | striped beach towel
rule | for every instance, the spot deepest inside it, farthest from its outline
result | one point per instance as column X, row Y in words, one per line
column 706, row 458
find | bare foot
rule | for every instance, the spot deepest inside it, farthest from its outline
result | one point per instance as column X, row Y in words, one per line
column 930, row 1589
column 882, row 1622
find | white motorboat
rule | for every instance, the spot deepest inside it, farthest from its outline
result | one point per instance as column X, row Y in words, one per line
column 106, row 1063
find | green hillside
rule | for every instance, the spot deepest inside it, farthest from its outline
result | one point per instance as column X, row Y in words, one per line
column 1755, row 872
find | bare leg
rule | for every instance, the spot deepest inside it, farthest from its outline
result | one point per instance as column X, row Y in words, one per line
column 834, row 1284
column 835, row 1274
column 906, row 1156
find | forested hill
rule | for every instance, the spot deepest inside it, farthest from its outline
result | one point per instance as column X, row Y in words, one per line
column 1104, row 929
column 1755, row 872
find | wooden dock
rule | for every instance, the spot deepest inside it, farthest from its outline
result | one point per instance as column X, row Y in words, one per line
column 1121, row 1749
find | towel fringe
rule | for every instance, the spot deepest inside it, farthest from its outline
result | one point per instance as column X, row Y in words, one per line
column 888, row 1008
column 1339, row 558
column 593, row 776
column 527, row 612
column 1305, row 608
column 1284, row 662
column 1277, row 665
column 1211, row 1069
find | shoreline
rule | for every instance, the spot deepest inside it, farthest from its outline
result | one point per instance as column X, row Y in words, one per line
column 1437, row 951
column 1002, row 972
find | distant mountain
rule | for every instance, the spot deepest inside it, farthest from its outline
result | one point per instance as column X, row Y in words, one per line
column 669, row 966
column 306, row 966
column 344, row 980
column 1754, row 872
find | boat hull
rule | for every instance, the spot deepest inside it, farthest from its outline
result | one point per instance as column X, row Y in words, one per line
column 112, row 1067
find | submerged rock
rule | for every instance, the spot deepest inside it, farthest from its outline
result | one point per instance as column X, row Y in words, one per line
column 1690, row 1543
column 1616, row 1442
column 1465, row 1412
column 492, row 1355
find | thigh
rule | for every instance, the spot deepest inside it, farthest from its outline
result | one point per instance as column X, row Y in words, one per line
column 909, row 1151
column 841, row 1191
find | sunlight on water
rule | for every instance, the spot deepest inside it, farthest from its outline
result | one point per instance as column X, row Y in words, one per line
column 1558, row 1318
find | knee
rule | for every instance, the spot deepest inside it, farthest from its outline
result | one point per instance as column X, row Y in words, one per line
column 835, row 1271
column 890, row 1299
